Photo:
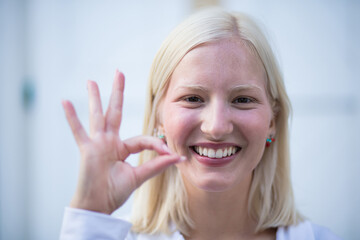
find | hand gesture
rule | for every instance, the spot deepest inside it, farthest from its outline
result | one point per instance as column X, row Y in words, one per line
column 106, row 180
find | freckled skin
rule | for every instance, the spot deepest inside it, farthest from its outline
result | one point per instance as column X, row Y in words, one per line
column 218, row 74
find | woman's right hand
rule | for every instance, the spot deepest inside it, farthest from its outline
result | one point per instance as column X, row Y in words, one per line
column 105, row 179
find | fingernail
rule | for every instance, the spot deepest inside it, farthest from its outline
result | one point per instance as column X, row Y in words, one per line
column 182, row 159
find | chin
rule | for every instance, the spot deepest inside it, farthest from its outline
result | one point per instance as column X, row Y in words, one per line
column 215, row 188
column 212, row 184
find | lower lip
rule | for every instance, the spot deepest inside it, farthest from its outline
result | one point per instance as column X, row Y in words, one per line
column 214, row 162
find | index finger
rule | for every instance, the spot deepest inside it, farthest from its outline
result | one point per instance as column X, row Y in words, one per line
column 140, row 143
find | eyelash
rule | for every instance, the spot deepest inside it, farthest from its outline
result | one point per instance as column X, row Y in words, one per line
column 247, row 99
column 191, row 99
column 238, row 100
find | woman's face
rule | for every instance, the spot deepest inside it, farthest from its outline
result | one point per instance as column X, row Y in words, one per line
column 217, row 114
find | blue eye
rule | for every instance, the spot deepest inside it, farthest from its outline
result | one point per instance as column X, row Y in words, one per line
column 193, row 99
column 244, row 100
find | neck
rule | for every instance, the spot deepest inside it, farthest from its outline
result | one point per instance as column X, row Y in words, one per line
column 221, row 215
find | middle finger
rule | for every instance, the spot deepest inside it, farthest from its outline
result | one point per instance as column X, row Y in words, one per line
column 114, row 111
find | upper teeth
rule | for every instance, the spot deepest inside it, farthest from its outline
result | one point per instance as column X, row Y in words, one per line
column 215, row 153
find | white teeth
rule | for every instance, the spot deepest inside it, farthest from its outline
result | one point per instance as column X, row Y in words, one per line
column 215, row 153
column 211, row 153
column 225, row 152
column 219, row 153
column 204, row 153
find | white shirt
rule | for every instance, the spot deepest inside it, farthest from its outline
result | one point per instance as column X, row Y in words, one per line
column 81, row 224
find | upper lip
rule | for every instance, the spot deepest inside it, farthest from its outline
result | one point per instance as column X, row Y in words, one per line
column 215, row 145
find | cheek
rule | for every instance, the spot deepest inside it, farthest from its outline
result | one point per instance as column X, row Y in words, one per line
column 255, row 125
column 179, row 123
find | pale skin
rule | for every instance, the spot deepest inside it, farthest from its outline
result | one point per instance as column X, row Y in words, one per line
column 105, row 179
column 217, row 97
column 217, row 195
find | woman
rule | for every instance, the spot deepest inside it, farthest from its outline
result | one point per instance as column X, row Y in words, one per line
column 217, row 102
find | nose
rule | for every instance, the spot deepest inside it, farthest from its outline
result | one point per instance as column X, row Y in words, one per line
column 216, row 120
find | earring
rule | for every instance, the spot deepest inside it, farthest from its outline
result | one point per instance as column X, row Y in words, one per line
column 269, row 141
column 159, row 134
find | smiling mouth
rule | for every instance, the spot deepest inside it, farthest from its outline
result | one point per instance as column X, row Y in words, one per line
column 216, row 153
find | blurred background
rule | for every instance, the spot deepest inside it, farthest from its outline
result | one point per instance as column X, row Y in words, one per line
column 50, row 48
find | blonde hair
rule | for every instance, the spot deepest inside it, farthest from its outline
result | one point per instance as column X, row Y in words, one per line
column 162, row 200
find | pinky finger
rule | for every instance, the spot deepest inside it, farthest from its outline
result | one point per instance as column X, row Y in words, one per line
column 75, row 125
column 155, row 167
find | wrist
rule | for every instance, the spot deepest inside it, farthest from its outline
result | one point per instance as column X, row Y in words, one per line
column 88, row 205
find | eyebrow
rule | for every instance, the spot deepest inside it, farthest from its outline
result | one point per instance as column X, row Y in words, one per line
column 246, row 87
column 241, row 87
column 191, row 87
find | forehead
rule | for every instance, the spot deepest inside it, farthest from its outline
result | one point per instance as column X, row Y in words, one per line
column 221, row 63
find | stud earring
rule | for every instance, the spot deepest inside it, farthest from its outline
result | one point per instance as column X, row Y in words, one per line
column 269, row 141
column 159, row 134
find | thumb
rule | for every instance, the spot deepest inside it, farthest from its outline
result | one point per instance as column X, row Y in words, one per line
column 155, row 167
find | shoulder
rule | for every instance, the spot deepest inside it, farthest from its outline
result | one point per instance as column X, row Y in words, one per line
column 305, row 230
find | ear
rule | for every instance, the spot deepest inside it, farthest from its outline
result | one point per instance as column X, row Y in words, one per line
column 272, row 126
column 159, row 126
column 161, row 129
column 159, row 117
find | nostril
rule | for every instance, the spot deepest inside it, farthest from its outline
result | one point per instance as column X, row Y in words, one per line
column 217, row 132
column 216, row 121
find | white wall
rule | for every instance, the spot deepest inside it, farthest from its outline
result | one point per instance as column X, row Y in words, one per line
column 67, row 42
column 13, row 164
